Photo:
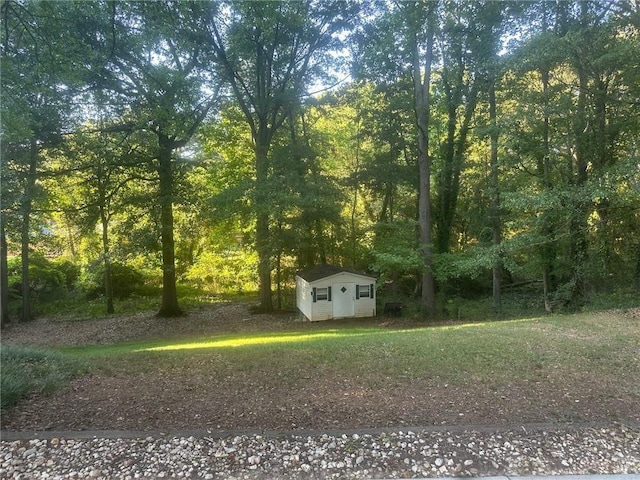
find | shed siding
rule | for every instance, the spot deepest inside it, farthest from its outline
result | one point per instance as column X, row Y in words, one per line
column 303, row 297
column 322, row 309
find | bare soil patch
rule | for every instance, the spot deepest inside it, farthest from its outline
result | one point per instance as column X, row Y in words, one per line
column 185, row 395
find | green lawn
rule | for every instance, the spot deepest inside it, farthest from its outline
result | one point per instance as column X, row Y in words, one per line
column 603, row 346
column 590, row 342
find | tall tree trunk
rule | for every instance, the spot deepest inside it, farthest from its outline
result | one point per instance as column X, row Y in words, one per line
column 603, row 145
column 263, row 241
column 354, row 203
column 27, row 202
column 71, row 240
column 422, row 106
column 169, row 306
column 453, row 161
column 495, row 196
column 548, row 250
column 108, row 286
column 279, row 277
column 636, row 276
column 578, row 220
column 4, row 276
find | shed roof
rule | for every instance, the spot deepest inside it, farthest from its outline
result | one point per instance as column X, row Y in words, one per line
column 325, row 270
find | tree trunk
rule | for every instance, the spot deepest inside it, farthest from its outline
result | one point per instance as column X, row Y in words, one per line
column 495, row 197
column 449, row 184
column 444, row 178
column 637, row 269
column 169, row 306
column 604, row 157
column 263, row 241
column 27, row 203
column 4, row 276
column 108, row 286
column 548, row 249
column 578, row 221
column 354, row 203
column 279, row 281
column 422, row 107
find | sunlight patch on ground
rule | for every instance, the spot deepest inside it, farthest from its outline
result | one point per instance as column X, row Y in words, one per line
column 244, row 341
column 293, row 338
column 283, row 338
column 487, row 323
column 286, row 338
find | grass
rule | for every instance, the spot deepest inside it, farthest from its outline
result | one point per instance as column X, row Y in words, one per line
column 488, row 352
column 601, row 345
column 28, row 369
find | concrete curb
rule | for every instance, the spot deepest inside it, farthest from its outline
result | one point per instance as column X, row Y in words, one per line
column 218, row 434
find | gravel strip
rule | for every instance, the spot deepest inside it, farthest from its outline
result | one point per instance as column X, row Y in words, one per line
column 389, row 454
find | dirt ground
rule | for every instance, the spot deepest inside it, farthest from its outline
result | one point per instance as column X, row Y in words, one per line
column 180, row 397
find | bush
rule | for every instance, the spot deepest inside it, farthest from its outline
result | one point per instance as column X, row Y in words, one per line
column 45, row 276
column 234, row 272
column 125, row 280
column 70, row 270
column 30, row 369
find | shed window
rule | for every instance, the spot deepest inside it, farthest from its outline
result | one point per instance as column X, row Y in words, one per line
column 364, row 291
column 322, row 293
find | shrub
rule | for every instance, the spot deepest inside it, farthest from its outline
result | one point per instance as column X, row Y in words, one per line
column 233, row 272
column 125, row 280
column 45, row 276
column 29, row 369
column 70, row 270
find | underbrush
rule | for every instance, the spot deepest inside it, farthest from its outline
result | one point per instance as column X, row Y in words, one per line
column 75, row 306
column 28, row 369
column 517, row 303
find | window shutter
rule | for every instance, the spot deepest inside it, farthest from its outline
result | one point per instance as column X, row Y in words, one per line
column 371, row 290
column 357, row 292
column 313, row 294
column 329, row 293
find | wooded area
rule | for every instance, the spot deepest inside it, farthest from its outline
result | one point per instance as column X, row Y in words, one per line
column 452, row 148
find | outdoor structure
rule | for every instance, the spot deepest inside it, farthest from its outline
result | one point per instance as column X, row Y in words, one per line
column 326, row 291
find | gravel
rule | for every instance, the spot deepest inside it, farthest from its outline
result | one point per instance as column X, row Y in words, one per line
column 377, row 454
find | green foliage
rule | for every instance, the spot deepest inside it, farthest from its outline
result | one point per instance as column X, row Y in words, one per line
column 325, row 178
column 45, row 276
column 396, row 251
column 126, row 280
column 229, row 272
column 471, row 264
column 29, row 369
column 70, row 270
column 76, row 307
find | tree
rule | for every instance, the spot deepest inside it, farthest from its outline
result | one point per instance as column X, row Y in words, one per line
column 421, row 90
column 572, row 119
column 269, row 53
column 468, row 42
column 152, row 54
column 36, row 77
column 495, row 194
column 398, row 46
column 4, row 276
column 95, row 167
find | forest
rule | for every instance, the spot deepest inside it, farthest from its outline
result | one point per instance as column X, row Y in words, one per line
column 451, row 148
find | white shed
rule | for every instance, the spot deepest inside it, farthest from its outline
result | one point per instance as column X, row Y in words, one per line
column 326, row 291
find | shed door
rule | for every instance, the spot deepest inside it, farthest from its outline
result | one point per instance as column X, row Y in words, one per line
column 344, row 299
